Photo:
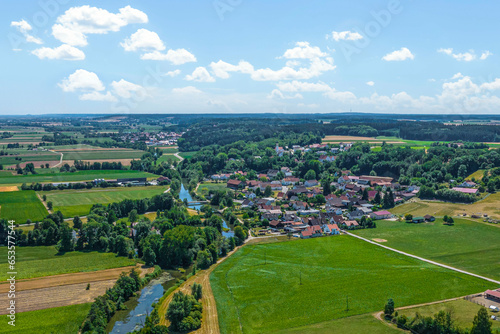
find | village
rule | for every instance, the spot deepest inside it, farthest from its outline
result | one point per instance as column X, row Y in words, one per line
column 286, row 204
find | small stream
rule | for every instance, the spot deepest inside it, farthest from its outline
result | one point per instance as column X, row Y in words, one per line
column 139, row 307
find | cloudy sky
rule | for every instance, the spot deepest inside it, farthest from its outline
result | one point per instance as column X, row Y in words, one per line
column 236, row 56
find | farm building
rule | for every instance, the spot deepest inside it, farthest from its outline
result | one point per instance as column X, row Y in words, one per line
column 418, row 220
column 381, row 214
column 493, row 295
column 429, row 218
column 235, row 184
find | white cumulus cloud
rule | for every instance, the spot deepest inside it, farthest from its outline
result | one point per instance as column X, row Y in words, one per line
column 200, row 74
column 172, row 74
column 303, row 50
column 82, row 80
column 76, row 23
column 345, row 36
column 143, row 39
column 24, row 28
column 370, row 83
column 125, row 89
column 63, row 52
column 399, row 55
column 98, row 96
column 464, row 56
column 176, row 57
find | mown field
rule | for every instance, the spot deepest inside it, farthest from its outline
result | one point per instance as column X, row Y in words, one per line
column 84, row 175
column 167, row 158
column 463, row 312
column 42, row 261
column 306, row 282
column 78, row 202
column 489, row 205
column 61, row 320
column 467, row 245
column 21, row 206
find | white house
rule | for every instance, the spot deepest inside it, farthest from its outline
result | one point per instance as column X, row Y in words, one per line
column 331, row 229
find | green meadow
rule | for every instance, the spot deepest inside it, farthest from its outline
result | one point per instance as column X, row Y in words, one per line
column 84, row 175
column 468, row 245
column 61, row 320
column 39, row 261
column 78, row 202
column 269, row 287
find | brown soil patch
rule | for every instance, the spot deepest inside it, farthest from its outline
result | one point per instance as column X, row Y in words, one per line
column 8, row 189
column 37, row 164
column 379, row 240
column 39, row 299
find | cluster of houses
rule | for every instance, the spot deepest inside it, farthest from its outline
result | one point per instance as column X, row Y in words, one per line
column 153, row 139
column 319, row 148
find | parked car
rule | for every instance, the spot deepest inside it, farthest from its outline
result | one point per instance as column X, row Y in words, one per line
column 494, row 308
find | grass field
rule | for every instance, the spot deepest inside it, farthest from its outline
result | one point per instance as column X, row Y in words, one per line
column 84, row 175
column 187, row 155
column 102, row 154
column 276, row 286
column 21, row 206
column 78, row 202
column 61, row 320
column 467, row 245
column 205, row 187
column 477, row 175
column 463, row 312
column 357, row 324
column 42, row 261
column 167, row 157
column 489, row 206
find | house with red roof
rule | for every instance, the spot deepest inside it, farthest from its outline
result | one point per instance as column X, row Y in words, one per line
column 331, row 229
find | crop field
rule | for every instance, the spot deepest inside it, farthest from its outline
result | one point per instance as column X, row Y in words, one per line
column 467, row 245
column 21, row 206
column 78, row 202
column 40, row 261
column 489, row 206
column 276, row 286
column 66, row 319
column 463, row 312
column 84, row 175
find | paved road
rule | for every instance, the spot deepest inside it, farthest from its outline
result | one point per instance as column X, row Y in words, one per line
column 425, row 260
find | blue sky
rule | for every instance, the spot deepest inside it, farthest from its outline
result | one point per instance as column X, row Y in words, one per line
column 235, row 56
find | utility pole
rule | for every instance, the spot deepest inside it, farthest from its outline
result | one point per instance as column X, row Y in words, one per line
column 347, row 299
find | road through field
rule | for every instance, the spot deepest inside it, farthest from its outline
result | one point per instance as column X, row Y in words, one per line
column 425, row 260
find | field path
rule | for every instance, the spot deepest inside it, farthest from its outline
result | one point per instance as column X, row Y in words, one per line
column 44, row 204
column 60, row 161
column 178, row 156
column 425, row 260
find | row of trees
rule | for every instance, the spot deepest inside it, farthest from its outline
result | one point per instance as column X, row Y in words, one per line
column 185, row 311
